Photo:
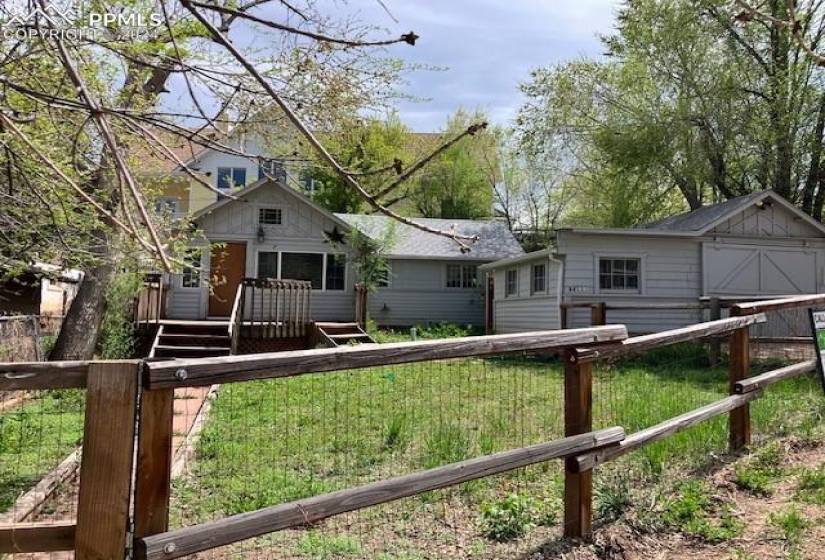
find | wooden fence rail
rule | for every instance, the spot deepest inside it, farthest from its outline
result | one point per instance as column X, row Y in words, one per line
column 129, row 417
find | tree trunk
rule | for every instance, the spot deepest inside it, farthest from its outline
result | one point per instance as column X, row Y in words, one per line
column 779, row 117
column 81, row 326
column 816, row 155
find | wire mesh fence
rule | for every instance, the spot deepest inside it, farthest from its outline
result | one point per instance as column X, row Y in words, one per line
column 40, row 438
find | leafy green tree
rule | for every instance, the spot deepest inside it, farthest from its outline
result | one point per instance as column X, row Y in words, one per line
column 459, row 183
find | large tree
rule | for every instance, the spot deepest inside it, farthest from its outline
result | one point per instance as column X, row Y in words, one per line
column 80, row 112
column 689, row 106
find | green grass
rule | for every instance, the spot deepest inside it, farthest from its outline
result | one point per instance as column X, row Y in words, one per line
column 35, row 437
column 758, row 473
column 695, row 512
column 273, row 441
column 811, row 485
column 792, row 525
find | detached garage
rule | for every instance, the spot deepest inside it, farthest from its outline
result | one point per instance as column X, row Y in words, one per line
column 753, row 246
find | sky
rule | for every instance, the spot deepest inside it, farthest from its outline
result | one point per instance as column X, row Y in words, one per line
column 487, row 46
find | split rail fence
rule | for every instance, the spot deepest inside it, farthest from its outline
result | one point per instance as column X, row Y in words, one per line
column 125, row 472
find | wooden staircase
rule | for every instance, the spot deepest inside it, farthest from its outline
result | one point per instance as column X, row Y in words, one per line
column 341, row 334
column 195, row 339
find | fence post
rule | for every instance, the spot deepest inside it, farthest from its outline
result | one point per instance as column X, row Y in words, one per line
column 106, row 464
column 715, row 345
column 154, row 462
column 598, row 314
column 578, row 486
column 739, row 422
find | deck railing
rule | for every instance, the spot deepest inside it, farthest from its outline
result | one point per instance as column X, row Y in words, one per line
column 271, row 308
column 149, row 304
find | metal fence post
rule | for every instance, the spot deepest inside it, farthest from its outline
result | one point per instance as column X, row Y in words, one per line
column 578, row 485
column 106, row 464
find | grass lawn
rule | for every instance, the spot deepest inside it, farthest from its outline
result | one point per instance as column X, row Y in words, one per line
column 268, row 442
column 35, row 437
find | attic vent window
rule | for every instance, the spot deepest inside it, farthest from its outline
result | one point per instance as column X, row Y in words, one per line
column 269, row 216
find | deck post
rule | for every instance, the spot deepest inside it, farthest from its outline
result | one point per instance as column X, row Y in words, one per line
column 739, row 421
column 578, row 485
column 598, row 314
column 154, row 462
column 106, row 464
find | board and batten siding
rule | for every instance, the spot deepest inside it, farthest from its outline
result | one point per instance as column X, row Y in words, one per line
column 527, row 311
column 671, row 272
column 417, row 295
column 302, row 230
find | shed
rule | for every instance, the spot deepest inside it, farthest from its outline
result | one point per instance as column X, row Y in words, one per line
column 757, row 245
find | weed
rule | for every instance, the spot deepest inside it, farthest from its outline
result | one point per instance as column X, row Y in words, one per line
column 395, row 431
column 322, row 547
column 792, row 525
column 811, row 487
column 509, row 518
column 692, row 513
column 447, row 444
column 612, row 498
column 758, row 473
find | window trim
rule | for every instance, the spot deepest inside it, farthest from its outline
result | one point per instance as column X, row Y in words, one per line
column 507, row 272
column 269, row 207
column 182, row 275
column 232, row 170
column 533, row 267
column 324, row 254
column 641, row 257
column 461, row 266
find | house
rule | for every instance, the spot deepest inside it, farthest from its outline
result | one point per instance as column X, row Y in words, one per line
column 752, row 246
column 41, row 289
column 270, row 230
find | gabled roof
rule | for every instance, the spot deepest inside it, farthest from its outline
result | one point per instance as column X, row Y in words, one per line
column 495, row 240
column 702, row 220
column 266, row 181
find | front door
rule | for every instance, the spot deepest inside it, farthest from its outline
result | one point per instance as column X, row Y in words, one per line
column 228, row 264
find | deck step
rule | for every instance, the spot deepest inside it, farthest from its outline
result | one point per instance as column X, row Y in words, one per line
column 191, row 351
column 181, row 339
column 349, row 335
column 196, row 328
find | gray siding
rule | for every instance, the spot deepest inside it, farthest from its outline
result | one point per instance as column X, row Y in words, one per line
column 526, row 311
column 671, row 273
column 418, row 295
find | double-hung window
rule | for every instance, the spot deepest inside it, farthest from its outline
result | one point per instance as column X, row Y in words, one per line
column 621, row 274
column 322, row 271
column 191, row 273
column 231, row 177
column 511, row 282
column 538, row 279
column 336, row 272
column 461, row 275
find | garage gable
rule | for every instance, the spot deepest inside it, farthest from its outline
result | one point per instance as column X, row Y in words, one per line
column 768, row 219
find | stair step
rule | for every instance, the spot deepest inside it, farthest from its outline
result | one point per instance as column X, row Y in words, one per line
column 174, row 339
column 349, row 335
column 194, row 328
column 191, row 351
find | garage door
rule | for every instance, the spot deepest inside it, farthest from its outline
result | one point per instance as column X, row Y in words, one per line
column 742, row 270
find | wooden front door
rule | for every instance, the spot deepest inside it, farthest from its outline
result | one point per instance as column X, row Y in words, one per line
column 228, row 266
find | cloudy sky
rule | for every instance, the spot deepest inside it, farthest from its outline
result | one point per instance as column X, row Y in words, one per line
column 487, row 47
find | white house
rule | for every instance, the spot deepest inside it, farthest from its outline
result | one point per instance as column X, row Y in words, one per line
column 751, row 246
column 270, row 230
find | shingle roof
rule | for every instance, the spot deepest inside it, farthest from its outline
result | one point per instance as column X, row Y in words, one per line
column 702, row 218
column 495, row 240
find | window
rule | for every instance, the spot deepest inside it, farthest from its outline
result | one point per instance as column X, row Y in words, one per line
column 166, row 205
column 619, row 274
column 191, row 273
column 461, row 275
column 511, row 282
column 269, row 216
column 229, row 177
column 267, row 264
column 539, row 279
column 273, row 169
column 385, row 276
column 336, row 272
column 303, row 266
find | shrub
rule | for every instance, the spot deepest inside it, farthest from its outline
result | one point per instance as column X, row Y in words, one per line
column 116, row 330
column 509, row 518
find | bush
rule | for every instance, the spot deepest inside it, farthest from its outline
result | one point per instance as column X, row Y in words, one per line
column 117, row 339
column 509, row 518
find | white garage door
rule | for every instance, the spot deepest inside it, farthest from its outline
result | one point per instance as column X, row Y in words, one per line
column 742, row 270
